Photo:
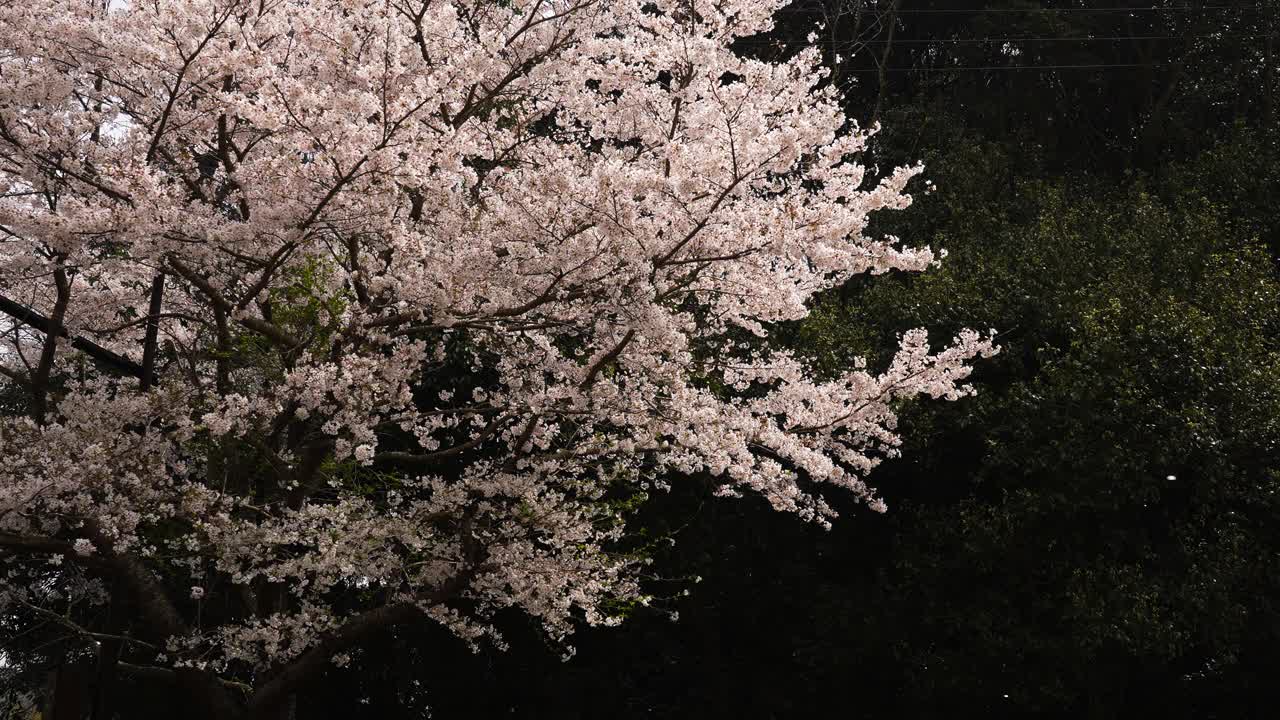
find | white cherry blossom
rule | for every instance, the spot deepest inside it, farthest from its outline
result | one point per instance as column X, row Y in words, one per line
column 387, row 302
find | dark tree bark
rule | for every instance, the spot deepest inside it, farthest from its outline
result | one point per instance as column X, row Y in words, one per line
column 883, row 67
column 153, row 330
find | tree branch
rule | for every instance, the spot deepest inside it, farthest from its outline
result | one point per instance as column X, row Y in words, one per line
column 29, row 545
column 83, row 631
column 605, row 360
column 428, row 458
column 167, row 675
column 39, row 385
column 355, row 631
column 256, row 324
column 118, row 363
column 153, row 329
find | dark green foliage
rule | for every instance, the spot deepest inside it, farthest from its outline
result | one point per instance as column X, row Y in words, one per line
column 1097, row 534
column 1114, row 543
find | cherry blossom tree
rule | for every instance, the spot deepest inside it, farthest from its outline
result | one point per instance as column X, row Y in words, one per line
column 328, row 316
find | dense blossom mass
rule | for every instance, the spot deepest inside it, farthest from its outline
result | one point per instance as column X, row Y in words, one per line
column 322, row 316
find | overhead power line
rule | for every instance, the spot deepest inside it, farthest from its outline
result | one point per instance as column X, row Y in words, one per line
column 957, row 68
column 975, row 11
column 917, row 41
column 1071, row 39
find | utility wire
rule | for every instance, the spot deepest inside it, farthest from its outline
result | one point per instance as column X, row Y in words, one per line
column 754, row 41
column 987, row 68
column 957, row 68
column 975, row 11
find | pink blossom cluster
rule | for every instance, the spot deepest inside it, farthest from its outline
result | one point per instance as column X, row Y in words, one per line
column 314, row 300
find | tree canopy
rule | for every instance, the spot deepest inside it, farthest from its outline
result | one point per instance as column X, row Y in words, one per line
column 1093, row 535
column 327, row 318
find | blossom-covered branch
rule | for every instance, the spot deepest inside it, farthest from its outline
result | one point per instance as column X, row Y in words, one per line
column 336, row 315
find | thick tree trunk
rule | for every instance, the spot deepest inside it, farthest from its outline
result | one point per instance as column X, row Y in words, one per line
column 150, row 341
column 68, row 697
column 40, row 377
column 104, row 696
